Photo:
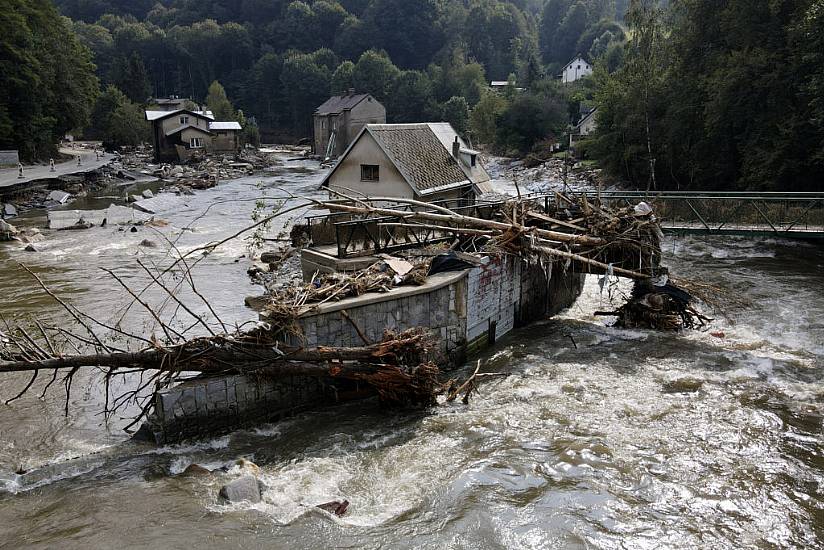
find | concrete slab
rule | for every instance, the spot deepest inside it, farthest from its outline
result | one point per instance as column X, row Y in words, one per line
column 161, row 203
column 113, row 215
column 59, row 197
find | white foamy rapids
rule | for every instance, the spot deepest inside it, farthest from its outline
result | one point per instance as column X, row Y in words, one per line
column 380, row 484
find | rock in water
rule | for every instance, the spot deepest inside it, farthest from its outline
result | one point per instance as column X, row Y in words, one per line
column 30, row 248
column 335, row 507
column 7, row 231
column 242, row 489
column 30, row 235
column 148, row 244
column 195, row 470
column 247, row 466
column 147, row 194
column 683, row 385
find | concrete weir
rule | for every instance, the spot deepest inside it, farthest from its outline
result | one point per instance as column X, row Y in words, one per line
column 468, row 310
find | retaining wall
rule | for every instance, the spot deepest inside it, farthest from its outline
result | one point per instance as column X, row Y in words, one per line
column 467, row 310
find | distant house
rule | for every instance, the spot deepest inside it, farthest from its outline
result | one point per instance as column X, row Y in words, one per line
column 426, row 161
column 173, row 103
column 576, row 69
column 586, row 126
column 501, row 86
column 340, row 119
column 178, row 134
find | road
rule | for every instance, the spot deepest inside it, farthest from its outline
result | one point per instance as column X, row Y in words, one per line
column 8, row 176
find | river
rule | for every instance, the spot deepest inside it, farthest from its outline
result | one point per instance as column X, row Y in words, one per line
column 598, row 438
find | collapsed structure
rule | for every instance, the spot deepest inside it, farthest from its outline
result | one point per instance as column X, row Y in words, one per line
column 178, row 134
column 416, row 288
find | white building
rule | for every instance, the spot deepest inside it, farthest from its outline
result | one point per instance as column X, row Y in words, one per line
column 588, row 124
column 576, row 69
column 427, row 161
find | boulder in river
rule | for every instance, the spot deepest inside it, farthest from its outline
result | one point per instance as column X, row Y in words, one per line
column 196, row 470
column 242, row 489
column 335, row 507
column 7, row 231
column 31, row 248
column 686, row 384
column 9, row 210
column 147, row 194
column 146, row 243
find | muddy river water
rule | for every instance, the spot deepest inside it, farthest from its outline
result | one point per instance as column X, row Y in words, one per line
column 599, row 438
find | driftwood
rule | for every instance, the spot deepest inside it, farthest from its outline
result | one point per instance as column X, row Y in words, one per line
column 401, row 368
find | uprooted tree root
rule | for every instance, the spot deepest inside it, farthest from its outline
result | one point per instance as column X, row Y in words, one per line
column 666, row 308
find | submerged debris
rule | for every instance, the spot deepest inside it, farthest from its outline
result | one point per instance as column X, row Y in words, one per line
column 663, row 307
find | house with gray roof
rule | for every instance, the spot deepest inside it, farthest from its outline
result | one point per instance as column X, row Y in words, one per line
column 426, row 161
column 177, row 135
column 340, row 119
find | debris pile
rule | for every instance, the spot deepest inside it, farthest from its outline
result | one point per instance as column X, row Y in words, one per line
column 201, row 171
column 534, row 175
column 575, row 232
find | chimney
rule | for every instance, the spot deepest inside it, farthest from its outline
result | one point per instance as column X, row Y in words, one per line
column 456, row 149
column 351, row 91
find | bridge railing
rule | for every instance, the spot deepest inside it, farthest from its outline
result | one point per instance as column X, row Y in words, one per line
column 736, row 213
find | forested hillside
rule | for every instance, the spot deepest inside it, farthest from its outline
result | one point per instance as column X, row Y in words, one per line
column 278, row 60
column 718, row 95
column 691, row 94
column 47, row 82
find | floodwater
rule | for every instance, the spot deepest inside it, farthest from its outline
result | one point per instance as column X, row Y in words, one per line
column 598, row 438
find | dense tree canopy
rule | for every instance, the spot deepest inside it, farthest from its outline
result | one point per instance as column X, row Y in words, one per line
column 718, row 96
column 694, row 93
column 47, row 81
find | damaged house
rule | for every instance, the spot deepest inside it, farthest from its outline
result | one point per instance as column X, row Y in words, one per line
column 176, row 135
column 426, row 161
column 339, row 120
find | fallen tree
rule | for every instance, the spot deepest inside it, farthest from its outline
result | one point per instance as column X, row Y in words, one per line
column 402, row 368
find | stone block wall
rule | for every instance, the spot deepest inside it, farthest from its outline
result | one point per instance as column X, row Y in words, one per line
column 467, row 313
column 203, row 407
column 443, row 311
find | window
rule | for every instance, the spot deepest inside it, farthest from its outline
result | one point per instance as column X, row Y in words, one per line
column 196, row 143
column 579, row 66
column 184, row 119
column 369, row 172
column 472, row 160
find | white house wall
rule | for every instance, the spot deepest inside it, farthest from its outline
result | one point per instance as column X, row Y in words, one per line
column 347, row 176
column 493, row 290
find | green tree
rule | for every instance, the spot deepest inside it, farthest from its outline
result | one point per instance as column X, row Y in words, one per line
column 343, row 78
column 483, row 122
column 118, row 121
column 411, row 99
column 250, row 133
column 456, row 112
column 131, row 78
column 305, row 85
column 47, row 82
column 407, row 29
column 374, row 73
column 219, row 103
column 530, row 118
